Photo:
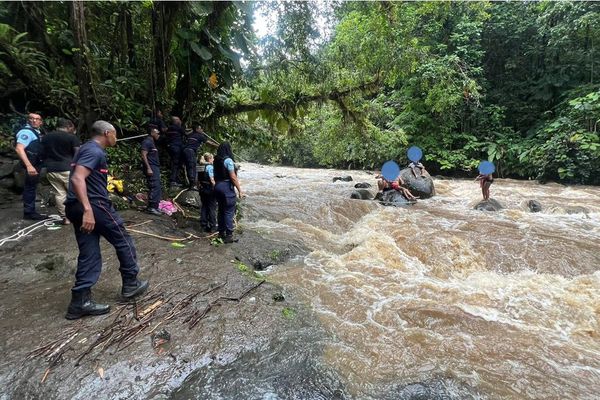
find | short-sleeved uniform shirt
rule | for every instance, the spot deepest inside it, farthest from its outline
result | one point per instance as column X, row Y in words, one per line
column 195, row 140
column 92, row 156
column 149, row 145
column 59, row 150
column 175, row 135
column 229, row 164
column 25, row 136
column 210, row 171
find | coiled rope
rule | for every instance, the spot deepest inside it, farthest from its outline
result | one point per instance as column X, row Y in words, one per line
column 48, row 222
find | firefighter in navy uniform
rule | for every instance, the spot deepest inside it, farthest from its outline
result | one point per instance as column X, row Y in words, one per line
column 92, row 214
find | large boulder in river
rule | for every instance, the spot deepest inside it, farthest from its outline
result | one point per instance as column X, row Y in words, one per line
column 343, row 178
column 420, row 186
column 488, row 205
column 361, row 194
column 534, row 206
column 362, row 185
column 393, row 198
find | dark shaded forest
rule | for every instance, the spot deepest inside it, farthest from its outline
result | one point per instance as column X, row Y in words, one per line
column 333, row 84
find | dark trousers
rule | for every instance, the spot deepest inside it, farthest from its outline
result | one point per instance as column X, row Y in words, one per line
column 190, row 157
column 175, row 154
column 29, row 192
column 154, row 186
column 208, row 212
column 110, row 226
column 225, row 195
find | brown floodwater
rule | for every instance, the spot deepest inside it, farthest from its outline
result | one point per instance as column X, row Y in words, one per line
column 506, row 304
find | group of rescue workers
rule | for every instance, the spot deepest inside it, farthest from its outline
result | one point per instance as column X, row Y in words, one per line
column 79, row 173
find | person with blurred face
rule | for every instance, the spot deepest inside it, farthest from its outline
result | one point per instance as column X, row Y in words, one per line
column 92, row 214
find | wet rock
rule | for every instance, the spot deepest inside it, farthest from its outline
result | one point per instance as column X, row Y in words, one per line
column 488, row 205
column 393, row 198
column 7, row 183
column 362, row 185
column 7, row 168
column 190, row 198
column 343, row 178
column 278, row 297
column 361, row 194
column 534, row 206
column 51, row 263
column 261, row 260
column 420, row 186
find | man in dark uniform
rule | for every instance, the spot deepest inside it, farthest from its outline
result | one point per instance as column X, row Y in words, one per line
column 195, row 139
column 175, row 135
column 151, row 169
column 92, row 214
column 156, row 122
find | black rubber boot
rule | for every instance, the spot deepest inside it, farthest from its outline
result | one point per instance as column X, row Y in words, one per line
column 136, row 288
column 229, row 239
column 82, row 305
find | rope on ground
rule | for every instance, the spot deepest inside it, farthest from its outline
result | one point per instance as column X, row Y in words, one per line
column 171, row 239
column 31, row 228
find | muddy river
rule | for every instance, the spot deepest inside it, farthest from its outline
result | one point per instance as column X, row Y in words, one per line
column 435, row 300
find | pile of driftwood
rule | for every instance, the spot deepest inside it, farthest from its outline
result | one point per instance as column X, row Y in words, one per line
column 137, row 318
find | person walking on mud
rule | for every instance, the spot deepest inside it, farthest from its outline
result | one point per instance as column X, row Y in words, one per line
column 92, row 214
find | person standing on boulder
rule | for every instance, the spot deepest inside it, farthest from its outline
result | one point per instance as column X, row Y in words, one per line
column 485, row 181
column 151, row 169
column 92, row 214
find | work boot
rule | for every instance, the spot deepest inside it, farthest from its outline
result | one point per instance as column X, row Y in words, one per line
column 35, row 216
column 153, row 211
column 229, row 239
column 131, row 290
column 82, row 305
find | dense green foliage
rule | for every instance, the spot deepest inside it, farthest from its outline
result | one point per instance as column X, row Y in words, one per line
column 345, row 84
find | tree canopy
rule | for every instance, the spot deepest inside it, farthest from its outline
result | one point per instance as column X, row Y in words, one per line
column 341, row 84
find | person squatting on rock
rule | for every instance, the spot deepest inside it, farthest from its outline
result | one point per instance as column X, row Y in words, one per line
column 60, row 146
column 417, row 165
column 206, row 182
column 194, row 140
column 225, row 182
column 383, row 185
column 485, row 181
column 93, row 215
column 29, row 149
column 175, row 135
column 151, row 170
